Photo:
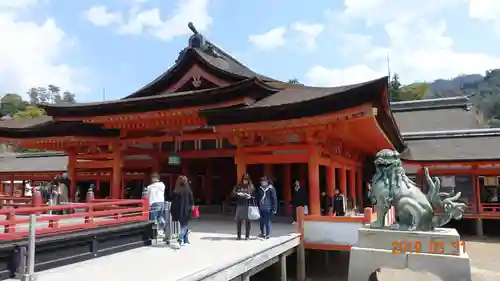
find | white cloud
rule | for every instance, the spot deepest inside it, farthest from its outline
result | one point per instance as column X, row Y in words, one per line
column 307, row 33
column 141, row 20
column 100, row 16
column 324, row 77
column 30, row 52
column 418, row 46
column 270, row 40
column 485, row 11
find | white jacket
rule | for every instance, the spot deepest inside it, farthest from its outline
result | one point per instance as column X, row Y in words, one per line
column 156, row 192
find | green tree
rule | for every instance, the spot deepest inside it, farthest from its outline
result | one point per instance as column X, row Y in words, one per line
column 68, row 97
column 34, row 96
column 293, row 81
column 30, row 112
column 11, row 104
column 55, row 94
column 394, row 88
column 415, row 91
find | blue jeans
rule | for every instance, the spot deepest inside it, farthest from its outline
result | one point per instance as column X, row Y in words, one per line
column 265, row 222
column 157, row 214
column 183, row 234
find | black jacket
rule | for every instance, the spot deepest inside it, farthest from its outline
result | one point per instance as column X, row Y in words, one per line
column 182, row 205
column 339, row 203
column 326, row 202
column 299, row 197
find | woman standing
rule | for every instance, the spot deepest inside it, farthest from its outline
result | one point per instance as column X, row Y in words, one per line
column 243, row 193
column 182, row 207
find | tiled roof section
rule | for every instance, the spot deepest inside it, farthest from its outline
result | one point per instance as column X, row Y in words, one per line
column 206, row 52
column 460, row 101
column 301, row 93
column 25, row 122
column 251, row 88
column 229, row 64
column 33, row 162
column 459, row 145
column 436, row 114
column 45, row 126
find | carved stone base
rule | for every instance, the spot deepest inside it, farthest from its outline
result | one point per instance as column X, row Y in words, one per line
column 380, row 248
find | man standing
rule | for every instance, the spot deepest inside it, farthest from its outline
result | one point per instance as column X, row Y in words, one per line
column 156, row 196
column 299, row 199
column 325, row 203
column 268, row 206
column 339, row 204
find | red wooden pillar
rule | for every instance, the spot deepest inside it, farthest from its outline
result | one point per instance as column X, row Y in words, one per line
column 352, row 186
column 269, row 171
column 185, row 168
column 343, row 180
column 72, row 174
column 117, row 171
column 208, row 183
column 287, row 187
column 302, row 175
column 359, row 185
column 314, row 190
column 330, row 184
column 241, row 166
column 123, row 187
column 12, row 187
column 97, row 192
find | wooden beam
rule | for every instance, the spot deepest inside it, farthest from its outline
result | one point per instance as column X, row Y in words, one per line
column 151, row 115
column 354, row 113
column 277, row 158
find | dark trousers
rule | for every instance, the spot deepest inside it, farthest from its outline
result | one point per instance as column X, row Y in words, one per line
column 340, row 213
column 265, row 222
column 248, row 226
column 294, row 213
column 184, row 232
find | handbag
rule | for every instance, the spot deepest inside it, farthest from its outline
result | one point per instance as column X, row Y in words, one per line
column 195, row 213
column 253, row 211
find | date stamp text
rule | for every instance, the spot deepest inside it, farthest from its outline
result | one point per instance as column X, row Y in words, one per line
column 432, row 247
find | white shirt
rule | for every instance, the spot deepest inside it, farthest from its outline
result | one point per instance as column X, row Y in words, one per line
column 156, row 192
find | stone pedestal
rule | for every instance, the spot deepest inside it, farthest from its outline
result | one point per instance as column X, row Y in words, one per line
column 439, row 252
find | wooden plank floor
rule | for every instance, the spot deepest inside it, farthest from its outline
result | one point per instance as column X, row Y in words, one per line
column 213, row 246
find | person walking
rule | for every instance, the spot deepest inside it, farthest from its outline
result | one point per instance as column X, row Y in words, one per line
column 243, row 192
column 155, row 192
column 268, row 203
column 182, row 207
column 299, row 199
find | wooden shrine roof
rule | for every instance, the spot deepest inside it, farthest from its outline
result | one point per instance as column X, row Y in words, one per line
column 252, row 88
column 45, row 126
column 436, row 114
column 453, row 146
column 300, row 101
column 202, row 51
column 33, row 162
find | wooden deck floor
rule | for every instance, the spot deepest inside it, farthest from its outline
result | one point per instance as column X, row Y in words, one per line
column 213, row 247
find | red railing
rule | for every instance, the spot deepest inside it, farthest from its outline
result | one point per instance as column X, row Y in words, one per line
column 18, row 201
column 15, row 222
column 490, row 208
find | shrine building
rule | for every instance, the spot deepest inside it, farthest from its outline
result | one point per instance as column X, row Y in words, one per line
column 212, row 118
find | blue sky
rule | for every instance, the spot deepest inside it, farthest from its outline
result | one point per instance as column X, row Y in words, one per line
column 119, row 45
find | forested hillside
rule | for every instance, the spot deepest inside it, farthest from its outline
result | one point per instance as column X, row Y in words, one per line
column 484, row 91
column 13, row 106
